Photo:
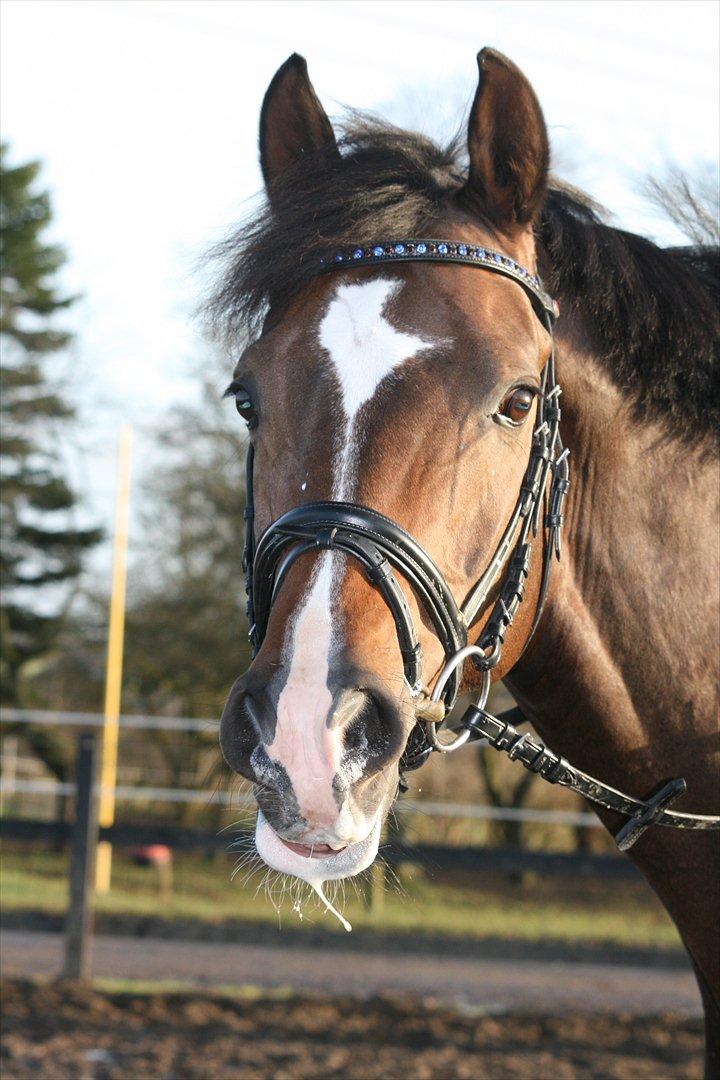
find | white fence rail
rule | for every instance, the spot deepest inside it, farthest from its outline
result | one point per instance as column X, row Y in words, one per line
column 406, row 806
column 96, row 720
column 468, row 811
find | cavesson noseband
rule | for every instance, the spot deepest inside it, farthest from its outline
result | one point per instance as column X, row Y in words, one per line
column 382, row 547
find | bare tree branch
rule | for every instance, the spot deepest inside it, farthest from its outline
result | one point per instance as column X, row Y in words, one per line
column 691, row 201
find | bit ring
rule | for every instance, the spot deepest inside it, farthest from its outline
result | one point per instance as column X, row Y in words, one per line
column 431, row 725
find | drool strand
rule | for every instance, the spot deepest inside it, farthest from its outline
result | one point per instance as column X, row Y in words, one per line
column 318, row 888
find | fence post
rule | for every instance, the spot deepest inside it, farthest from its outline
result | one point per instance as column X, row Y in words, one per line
column 113, row 671
column 8, row 770
column 374, row 887
column 80, row 915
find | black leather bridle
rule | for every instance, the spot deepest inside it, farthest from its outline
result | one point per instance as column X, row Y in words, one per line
column 383, row 548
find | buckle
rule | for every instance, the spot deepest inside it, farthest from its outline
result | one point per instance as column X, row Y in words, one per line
column 653, row 805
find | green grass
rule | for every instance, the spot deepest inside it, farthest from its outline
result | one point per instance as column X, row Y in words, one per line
column 459, row 905
column 152, row 987
column 170, row 987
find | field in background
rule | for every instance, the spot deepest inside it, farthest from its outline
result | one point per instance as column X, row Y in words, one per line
column 465, row 904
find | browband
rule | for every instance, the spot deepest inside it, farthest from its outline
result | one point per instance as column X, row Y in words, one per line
column 444, row 251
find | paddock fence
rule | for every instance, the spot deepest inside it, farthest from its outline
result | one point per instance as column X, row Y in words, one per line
column 11, row 784
column 83, row 832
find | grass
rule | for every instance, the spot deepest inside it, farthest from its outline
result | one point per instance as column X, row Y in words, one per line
column 151, row 988
column 454, row 905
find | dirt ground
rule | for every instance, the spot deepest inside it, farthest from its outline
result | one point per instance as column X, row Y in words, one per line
column 60, row 1032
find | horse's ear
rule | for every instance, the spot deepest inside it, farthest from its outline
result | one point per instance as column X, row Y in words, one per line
column 293, row 123
column 508, row 145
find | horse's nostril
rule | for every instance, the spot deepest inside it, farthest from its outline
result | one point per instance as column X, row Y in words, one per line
column 373, row 735
column 251, row 710
column 354, row 710
column 240, row 729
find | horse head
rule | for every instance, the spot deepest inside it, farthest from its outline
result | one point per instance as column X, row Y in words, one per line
column 406, row 388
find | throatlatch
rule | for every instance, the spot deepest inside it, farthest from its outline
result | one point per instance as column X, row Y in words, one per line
column 382, row 547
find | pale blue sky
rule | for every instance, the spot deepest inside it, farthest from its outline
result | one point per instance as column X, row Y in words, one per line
column 145, row 114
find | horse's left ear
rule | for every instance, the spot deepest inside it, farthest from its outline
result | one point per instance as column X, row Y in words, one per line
column 508, row 145
column 293, row 123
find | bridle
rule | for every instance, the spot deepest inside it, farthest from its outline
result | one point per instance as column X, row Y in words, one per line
column 383, row 548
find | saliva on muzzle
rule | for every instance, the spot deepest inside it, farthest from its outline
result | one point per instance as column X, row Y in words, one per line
column 316, row 871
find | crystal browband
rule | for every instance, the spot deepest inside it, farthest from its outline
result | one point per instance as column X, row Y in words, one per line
column 441, row 251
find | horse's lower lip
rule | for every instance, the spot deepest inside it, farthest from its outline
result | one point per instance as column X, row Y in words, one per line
column 316, row 851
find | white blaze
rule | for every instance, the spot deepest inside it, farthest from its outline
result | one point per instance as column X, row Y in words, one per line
column 363, row 349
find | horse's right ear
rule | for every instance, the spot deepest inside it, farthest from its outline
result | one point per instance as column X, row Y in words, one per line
column 293, row 123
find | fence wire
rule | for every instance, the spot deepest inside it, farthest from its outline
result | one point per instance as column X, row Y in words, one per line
column 126, row 793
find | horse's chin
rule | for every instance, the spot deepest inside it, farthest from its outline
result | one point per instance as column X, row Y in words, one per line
column 349, row 861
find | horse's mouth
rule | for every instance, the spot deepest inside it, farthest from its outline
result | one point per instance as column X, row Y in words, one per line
column 313, row 851
column 319, row 862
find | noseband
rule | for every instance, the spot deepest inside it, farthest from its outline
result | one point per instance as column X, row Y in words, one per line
column 382, row 548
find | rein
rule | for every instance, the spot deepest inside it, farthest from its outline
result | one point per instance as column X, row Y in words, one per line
column 382, row 547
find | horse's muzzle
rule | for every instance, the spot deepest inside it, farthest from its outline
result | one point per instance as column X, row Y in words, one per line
column 320, row 777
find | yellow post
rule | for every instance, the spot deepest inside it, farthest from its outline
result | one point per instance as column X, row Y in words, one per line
column 113, row 671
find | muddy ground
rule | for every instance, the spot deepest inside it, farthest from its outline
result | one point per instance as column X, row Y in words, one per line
column 59, row 1032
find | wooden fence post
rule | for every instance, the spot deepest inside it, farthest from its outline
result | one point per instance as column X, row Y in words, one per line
column 80, row 915
column 374, row 887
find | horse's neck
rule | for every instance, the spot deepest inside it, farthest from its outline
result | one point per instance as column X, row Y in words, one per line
column 620, row 676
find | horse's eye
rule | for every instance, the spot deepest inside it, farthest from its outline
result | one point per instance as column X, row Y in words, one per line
column 517, row 405
column 245, row 407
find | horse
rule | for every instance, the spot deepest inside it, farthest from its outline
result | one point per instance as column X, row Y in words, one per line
column 414, row 312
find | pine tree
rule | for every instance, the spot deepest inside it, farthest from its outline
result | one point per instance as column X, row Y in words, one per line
column 41, row 551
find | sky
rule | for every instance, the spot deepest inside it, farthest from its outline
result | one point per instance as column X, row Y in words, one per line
column 145, row 115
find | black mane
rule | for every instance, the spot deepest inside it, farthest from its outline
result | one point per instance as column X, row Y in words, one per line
column 652, row 312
